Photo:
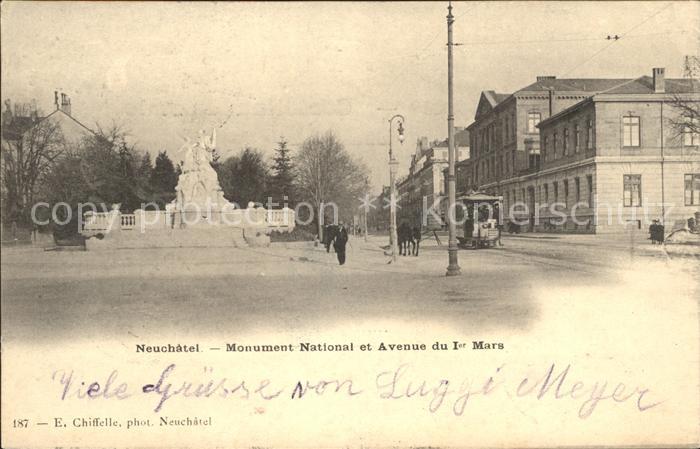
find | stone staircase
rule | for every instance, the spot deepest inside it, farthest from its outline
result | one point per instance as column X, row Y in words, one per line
column 193, row 237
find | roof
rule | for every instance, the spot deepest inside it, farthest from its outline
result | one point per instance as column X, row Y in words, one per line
column 645, row 85
column 70, row 117
column 19, row 125
column 573, row 84
column 494, row 97
column 488, row 101
column 479, row 196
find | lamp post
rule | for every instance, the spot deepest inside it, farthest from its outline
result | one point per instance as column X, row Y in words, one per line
column 393, row 163
column 453, row 266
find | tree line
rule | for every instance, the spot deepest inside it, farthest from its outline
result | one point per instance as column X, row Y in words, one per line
column 103, row 167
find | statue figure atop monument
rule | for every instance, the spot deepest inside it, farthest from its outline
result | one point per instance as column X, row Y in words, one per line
column 198, row 185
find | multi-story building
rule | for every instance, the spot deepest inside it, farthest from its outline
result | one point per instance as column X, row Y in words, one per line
column 504, row 138
column 423, row 186
column 378, row 213
column 602, row 156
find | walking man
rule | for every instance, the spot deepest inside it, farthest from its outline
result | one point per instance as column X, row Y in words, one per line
column 341, row 239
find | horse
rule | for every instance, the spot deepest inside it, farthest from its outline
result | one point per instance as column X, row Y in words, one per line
column 405, row 237
column 329, row 234
column 415, row 241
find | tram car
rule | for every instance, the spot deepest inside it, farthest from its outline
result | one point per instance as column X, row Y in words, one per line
column 482, row 220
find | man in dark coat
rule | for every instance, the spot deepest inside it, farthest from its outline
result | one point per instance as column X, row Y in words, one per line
column 656, row 232
column 339, row 242
column 652, row 232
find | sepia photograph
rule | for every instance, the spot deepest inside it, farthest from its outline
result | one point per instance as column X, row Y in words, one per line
column 350, row 224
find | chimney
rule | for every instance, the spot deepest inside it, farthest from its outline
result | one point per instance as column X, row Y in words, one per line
column 545, row 78
column 55, row 99
column 659, row 80
column 65, row 103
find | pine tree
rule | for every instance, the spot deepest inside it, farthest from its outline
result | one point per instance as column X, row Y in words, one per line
column 282, row 180
column 244, row 177
column 143, row 178
column 163, row 179
column 127, row 183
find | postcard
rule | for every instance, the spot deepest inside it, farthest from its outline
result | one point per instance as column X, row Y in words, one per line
column 350, row 224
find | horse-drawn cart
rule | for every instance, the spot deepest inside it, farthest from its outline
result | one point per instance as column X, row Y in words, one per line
column 482, row 219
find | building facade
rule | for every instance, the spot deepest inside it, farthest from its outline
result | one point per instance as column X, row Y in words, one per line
column 603, row 156
column 424, row 185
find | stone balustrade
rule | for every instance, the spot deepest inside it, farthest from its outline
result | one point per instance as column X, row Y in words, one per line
column 142, row 220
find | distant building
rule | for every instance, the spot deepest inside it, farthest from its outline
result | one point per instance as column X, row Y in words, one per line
column 18, row 121
column 378, row 216
column 425, row 180
column 599, row 147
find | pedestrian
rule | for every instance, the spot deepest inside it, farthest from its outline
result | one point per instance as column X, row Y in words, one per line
column 339, row 242
column 327, row 238
column 656, row 232
column 659, row 232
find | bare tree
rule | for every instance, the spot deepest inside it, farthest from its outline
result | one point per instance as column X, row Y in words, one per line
column 327, row 174
column 687, row 115
column 26, row 158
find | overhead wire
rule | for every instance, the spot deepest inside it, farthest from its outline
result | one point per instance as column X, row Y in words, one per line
column 612, row 42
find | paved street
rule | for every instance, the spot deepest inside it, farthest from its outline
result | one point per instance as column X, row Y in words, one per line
column 73, row 295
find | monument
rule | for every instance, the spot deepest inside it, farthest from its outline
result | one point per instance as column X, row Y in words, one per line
column 198, row 216
column 198, row 188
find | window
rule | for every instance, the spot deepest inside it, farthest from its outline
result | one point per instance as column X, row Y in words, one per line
column 589, row 179
column 513, row 161
column 632, row 196
column 556, row 191
column 589, row 137
column 533, row 119
column 577, row 138
column 554, row 146
column 577, row 185
column 565, row 143
column 692, row 189
column 630, row 131
column 546, row 193
column 566, row 192
column 691, row 137
column 545, row 147
column 506, row 129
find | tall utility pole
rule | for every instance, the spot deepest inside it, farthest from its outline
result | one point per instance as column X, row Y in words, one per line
column 453, row 267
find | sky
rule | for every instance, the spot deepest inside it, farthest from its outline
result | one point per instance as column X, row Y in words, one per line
column 261, row 71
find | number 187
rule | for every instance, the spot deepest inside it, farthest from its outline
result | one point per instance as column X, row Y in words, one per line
column 20, row 423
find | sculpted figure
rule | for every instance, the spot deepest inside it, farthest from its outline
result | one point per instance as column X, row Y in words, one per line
column 198, row 183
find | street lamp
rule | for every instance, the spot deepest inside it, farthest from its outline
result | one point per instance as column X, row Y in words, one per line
column 393, row 163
